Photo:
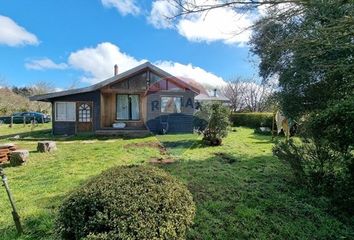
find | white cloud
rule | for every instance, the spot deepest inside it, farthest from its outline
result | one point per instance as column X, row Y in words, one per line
column 189, row 71
column 124, row 7
column 160, row 12
column 97, row 64
column 58, row 89
column 220, row 24
column 12, row 34
column 44, row 63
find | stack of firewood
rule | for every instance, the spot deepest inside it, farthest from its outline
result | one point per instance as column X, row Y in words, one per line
column 5, row 151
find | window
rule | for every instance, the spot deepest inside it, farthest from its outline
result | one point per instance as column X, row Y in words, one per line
column 171, row 104
column 128, row 107
column 84, row 113
column 65, row 111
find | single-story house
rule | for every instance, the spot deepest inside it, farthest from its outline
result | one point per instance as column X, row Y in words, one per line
column 144, row 98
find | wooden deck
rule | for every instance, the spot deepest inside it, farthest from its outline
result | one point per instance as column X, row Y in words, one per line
column 128, row 131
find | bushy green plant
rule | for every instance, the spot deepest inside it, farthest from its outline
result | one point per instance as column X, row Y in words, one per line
column 129, row 202
column 252, row 120
column 323, row 169
column 214, row 122
column 334, row 125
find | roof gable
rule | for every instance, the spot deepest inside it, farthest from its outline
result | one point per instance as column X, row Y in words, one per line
column 115, row 79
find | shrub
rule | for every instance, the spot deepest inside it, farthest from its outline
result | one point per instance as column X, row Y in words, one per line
column 130, row 202
column 252, row 120
column 334, row 124
column 213, row 120
column 323, row 169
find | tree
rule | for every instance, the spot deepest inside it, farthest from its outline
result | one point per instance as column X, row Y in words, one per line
column 311, row 53
column 255, row 96
column 23, row 91
column 234, row 91
column 11, row 102
column 41, row 87
column 212, row 120
column 247, row 95
column 185, row 7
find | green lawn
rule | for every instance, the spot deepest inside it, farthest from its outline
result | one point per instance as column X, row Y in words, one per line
column 241, row 190
column 5, row 130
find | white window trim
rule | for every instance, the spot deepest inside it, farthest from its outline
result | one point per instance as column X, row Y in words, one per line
column 55, row 112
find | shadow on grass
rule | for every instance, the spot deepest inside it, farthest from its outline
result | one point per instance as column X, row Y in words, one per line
column 43, row 135
column 249, row 198
column 38, row 134
column 253, row 198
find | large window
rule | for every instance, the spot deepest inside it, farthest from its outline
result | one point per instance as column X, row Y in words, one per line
column 128, row 107
column 65, row 111
column 171, row 104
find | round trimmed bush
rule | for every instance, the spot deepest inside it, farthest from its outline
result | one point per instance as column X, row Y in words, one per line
column 129, row 202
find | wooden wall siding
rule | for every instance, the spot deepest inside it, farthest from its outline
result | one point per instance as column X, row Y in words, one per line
column 64, row 128
column 178, row 122
column 60, row 128
column 108, row 109
column 143, row 107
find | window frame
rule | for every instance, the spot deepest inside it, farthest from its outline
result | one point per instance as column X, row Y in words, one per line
column 171, row 96
column 129, row 107
column 55, row 112
column 88, row 112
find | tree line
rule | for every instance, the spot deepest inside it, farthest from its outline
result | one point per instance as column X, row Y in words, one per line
column 15, row 99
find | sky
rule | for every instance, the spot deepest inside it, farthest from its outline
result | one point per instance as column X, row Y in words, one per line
column 76, row 43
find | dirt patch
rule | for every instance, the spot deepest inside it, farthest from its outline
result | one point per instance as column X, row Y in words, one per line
column 225, row 157
column 157, row 145
column 161, row 161
column 165, row 157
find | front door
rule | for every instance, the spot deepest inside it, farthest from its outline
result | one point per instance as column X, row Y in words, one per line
column 84, row 116
column 128, row 107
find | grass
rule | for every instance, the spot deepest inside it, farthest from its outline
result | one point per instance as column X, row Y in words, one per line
column 241, row 190
column 6, row 131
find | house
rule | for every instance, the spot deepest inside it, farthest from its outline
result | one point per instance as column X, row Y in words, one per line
column 144, row 98
column 207, row 96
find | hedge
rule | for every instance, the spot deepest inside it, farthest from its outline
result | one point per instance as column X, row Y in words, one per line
column 252, row 120
column 129, row 202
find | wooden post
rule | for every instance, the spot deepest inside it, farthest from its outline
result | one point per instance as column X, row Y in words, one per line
column 15, row 215
column 273, row 126
column 32, row 126
column 42, row 119
column 12, row 121
column 24, row 121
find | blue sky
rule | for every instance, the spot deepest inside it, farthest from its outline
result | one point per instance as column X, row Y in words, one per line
column 77, row 42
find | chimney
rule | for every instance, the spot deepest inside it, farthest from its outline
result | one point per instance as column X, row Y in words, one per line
column 115, row 70
column 215, row 92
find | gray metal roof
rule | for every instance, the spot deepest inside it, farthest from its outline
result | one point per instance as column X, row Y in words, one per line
column 204, row 97
column 121, row 76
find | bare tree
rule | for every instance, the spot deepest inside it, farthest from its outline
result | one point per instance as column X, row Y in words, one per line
column 256, row 96
column 186, row 7
column 234, row 91
column 3, row 82
column 42, row 87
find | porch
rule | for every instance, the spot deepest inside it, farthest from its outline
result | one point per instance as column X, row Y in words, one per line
column 122, row 106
